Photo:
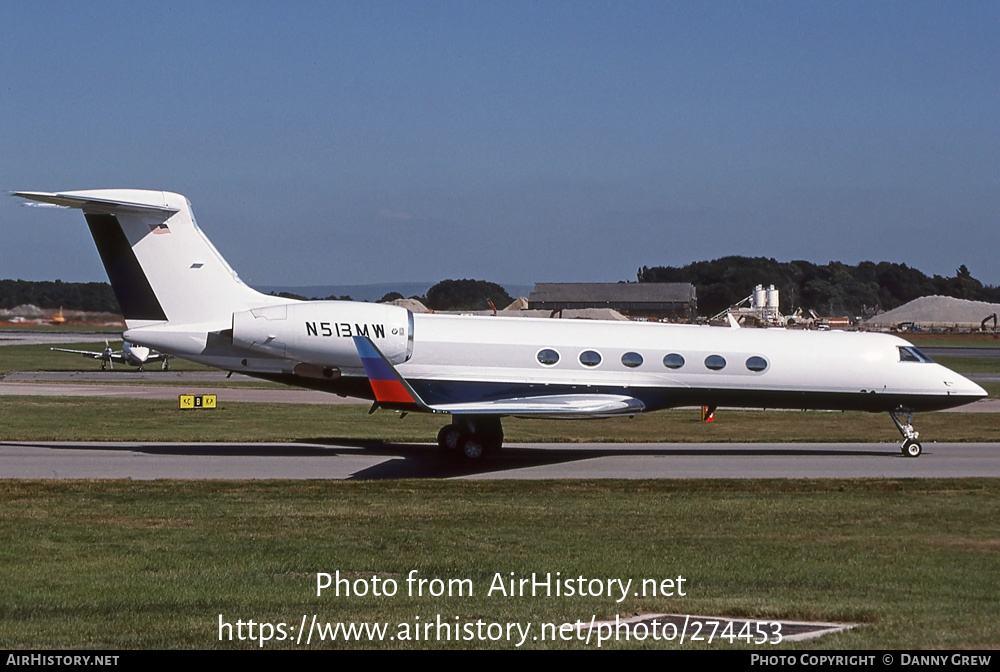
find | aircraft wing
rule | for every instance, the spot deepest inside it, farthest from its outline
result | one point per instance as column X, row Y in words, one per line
column 554, row 405
column 391, row 388
column 92, row 355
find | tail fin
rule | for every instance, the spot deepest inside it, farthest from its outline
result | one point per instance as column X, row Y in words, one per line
column 161, row 266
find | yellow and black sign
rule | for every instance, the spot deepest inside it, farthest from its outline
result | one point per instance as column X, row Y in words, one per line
column 197, row 401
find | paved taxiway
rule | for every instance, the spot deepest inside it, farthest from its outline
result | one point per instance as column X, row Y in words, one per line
column 377, row 460
column 15, row 336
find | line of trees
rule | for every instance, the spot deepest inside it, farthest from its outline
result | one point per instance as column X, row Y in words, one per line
column 446, row 295
column 99, row 297
column 91, row 296
column 299, row 297
column 466, row 295
column 829, row 289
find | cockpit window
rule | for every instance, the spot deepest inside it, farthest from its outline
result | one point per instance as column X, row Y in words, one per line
column 911, row 354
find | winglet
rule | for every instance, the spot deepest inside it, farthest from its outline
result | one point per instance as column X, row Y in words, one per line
column 389, row 387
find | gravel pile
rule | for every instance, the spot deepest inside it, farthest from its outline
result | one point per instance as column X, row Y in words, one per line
column 938, row 310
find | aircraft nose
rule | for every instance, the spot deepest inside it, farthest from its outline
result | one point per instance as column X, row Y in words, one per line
column 961, row 386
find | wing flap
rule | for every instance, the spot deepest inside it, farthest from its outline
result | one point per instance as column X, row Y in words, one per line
column 557, row 405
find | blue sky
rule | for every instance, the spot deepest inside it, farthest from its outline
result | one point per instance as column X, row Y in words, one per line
column 364, row 142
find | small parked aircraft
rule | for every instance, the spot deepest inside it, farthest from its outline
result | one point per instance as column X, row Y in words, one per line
column 179, row 295
column 131, row 354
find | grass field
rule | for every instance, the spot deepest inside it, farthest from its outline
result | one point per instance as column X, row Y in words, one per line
column 42, row 358
column 100, row 419
column 952, row 340
column 155, row 564
column 967, row 365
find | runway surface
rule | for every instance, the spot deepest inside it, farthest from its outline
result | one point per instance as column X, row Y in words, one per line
column 363, row 460
column 14, row 336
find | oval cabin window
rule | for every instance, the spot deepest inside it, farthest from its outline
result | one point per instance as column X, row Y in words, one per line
column 548, row 357
column 632, row 359
column 715, row 362
column 673, row 361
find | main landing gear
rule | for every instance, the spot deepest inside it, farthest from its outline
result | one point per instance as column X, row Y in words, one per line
column 473, row 436
column 911, row 447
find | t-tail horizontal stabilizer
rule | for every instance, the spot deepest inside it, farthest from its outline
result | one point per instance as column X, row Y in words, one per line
column 93, row 204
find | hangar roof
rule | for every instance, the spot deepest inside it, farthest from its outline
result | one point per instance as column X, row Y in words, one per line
column 623, row 292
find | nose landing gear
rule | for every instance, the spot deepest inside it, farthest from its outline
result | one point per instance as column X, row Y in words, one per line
column 911, row 447
column 473, row 436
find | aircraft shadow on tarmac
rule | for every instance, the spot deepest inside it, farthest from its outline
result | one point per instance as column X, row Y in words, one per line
column 416, row 460
column 428, row 461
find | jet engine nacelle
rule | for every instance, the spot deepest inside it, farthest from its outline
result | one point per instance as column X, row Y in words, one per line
column 321, row 332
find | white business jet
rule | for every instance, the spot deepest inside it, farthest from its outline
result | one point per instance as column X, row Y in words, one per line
column 179, row 296
column 131, row 354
